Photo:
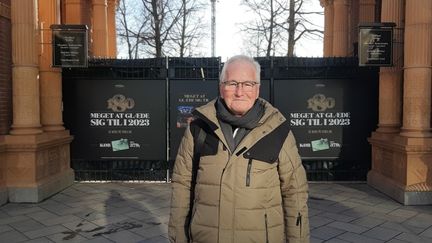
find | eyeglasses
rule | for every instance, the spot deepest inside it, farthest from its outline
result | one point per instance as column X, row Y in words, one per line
column 247, row 86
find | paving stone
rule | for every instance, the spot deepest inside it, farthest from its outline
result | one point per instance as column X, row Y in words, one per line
column 386, row 217
column 80, row 226
column 161, row 211
column 39, row 240
column 98, row 240
column 396, row 241
column 55, row 207
column 120, row 211
column 368, row 222
column 3, row 214
column 313, row 212
column 4, row 228
column 157, row 239
column 411, row 238
column 42, row 215
column 381, row 233
column 59, row 220
column 318, row 221
column 67, row 236
column 336, row 240
column 427, row 233
column 13, row 219
column 356, row 238
column 74, row 211
column 140, row 215
column 422, row 220
column 426, row 209
column 124, row 237
column 27, row 225
column 12, row 236
column 151, row 232
column 334, row 209
column 90, row 215
column 356, row 212
column 45, row 231
column 22, row 211
column 403, row 213
column 402, row 227
column 109, row 220
column 315, row 240
column 348, row 227
column 326, row 233
column 338, row 217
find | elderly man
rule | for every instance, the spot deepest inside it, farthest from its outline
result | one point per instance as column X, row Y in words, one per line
column 238, row 176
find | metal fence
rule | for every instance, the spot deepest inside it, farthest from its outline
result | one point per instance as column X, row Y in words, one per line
column 352, row 165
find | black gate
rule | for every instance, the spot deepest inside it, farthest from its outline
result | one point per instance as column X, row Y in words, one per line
column 128, row 116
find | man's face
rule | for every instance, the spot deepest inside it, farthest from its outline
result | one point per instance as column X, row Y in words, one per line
column 237, row 100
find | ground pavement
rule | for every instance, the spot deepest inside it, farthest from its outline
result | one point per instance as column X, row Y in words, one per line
column 128, row 212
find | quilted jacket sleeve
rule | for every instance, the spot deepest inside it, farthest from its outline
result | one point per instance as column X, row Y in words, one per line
column 178, row 226
column 294, row 189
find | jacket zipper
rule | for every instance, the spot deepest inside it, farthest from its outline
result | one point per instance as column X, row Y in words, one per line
column 249, row 167
column 191, row 219
column 266, row 227
column 299, row 222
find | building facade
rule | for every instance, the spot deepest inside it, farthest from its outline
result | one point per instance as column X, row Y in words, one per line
column 402, row 142
column 34, row 145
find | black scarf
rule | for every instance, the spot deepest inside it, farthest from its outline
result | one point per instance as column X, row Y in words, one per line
column 244, row 123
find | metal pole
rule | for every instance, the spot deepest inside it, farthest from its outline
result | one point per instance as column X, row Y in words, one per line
column 213, row 27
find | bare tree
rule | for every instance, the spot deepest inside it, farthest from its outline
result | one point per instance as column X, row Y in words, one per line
column 130, row 26
column 188, row 32
column 279, row 22
column 299, row 25
column 164, row 14
column 264, row 26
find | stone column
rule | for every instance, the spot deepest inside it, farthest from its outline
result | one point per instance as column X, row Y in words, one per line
column 367, row 11
column 328, row 27
column 390, row 89
column 340, row 28
column 112, row 34
column 73, row 12
column 25, row 71
column 50, row 78
column 354, row 22
column 100, row 28
column 417, row 73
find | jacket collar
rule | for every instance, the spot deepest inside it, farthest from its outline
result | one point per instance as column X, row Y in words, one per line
column 271, row 119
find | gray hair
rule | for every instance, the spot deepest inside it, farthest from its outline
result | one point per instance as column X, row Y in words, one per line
column 245, row 59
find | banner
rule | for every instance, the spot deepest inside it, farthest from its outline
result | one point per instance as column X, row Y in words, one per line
column 119, row 119
column 185, row 96
column 328, row 117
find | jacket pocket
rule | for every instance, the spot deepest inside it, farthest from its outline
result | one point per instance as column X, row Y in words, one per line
column 248, row 172
column 266, row 228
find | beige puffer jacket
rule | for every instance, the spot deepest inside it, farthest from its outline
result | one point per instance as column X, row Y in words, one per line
column 257, row 193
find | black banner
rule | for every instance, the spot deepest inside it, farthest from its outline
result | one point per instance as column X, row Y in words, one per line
column 70, row 45
column 375, row 45
column 330, row 119
column 265, row 89
column 119, row 119
column 186, row 95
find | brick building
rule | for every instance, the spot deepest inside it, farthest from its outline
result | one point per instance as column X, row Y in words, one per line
column 34, row 145
column 402, row 143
